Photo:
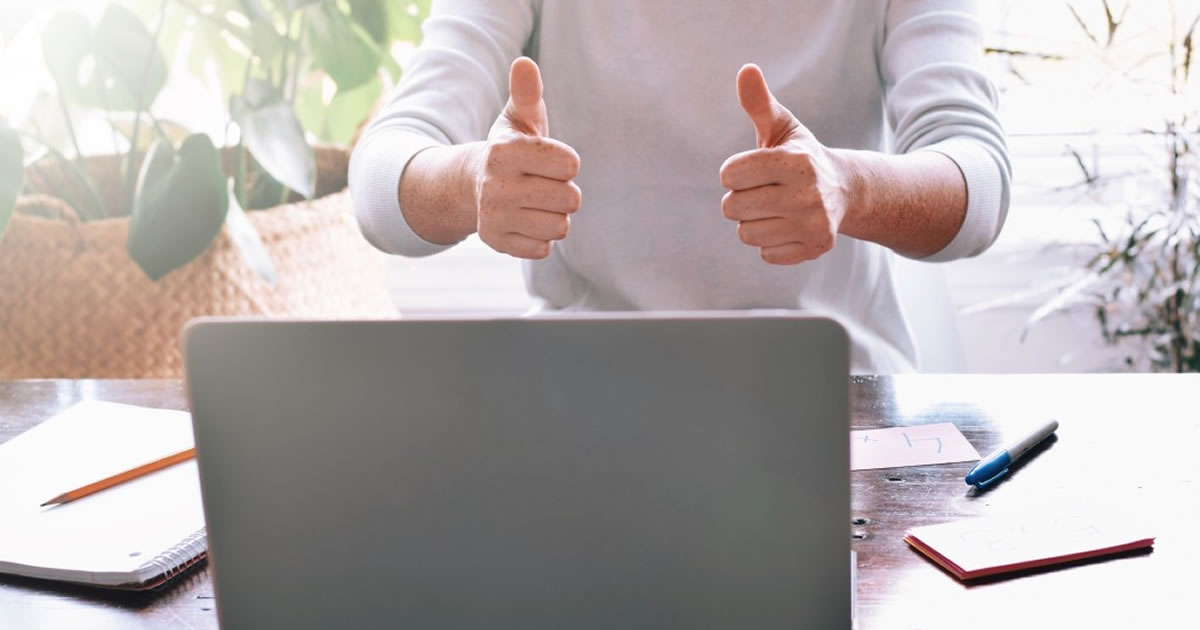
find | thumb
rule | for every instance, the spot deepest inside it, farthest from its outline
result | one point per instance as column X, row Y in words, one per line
column 526, row 111
column 773, row 123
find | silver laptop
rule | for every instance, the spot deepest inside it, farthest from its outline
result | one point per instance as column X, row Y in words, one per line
column 586, row 472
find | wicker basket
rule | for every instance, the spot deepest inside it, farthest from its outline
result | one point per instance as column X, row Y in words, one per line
column 73, row 304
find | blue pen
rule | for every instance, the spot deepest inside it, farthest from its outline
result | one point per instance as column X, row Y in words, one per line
column 994, row 466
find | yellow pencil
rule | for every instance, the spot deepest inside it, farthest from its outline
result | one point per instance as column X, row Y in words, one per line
column 108, row 482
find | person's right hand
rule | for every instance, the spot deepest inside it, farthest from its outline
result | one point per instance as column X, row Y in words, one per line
column 524, row 191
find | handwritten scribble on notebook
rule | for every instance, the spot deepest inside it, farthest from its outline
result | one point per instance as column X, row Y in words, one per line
column 980, row 547
column 940, row 443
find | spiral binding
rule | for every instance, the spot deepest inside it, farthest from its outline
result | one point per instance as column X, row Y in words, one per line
column 180, row 557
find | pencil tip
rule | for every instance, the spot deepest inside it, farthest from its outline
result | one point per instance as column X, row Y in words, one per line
column 56, row 500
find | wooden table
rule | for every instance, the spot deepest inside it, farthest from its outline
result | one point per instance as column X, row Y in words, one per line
column 1127, row 443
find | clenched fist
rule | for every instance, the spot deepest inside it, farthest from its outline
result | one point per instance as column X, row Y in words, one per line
column 789, row 195
column 524, row 191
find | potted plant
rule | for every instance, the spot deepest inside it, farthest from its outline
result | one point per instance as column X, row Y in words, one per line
column 104, row 257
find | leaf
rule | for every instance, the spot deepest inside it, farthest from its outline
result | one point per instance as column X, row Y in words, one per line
column 372, row 16
column 347, row 111
column 1082, row 25
column 265, row 192
column 66, row 44
column 115, row 66
column 131, row 54
column 1112, row 22
column 180, row 205
column 272, row 133
column 152, row 179
column 124, row 125
column 266, row 42
column 255, row 11
column 294, row 5
column 311, row 108
column 1188, row 47
column 393, row 68
column 248, row 241
column 340, row 47
column 212, row 46
column 1071, row 295
column 405, row 19
column 12, row 173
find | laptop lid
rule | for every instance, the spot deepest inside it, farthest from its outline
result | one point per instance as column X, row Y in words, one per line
column 579, row 472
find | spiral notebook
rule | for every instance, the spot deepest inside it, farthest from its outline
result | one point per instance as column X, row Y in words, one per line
column 137, row 535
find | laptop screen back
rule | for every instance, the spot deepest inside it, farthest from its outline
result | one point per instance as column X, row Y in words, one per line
column 588, row 472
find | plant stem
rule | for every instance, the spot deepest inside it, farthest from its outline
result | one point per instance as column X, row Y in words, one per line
column 232, row 28
column 80, row 167
column 130, row 174
column 85, row 212
column 112, row 125
column 290, row 90
column 239, row 179
column 281, row 86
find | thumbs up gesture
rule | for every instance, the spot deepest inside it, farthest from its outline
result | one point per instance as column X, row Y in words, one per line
column 789, row 195
column 524, row 191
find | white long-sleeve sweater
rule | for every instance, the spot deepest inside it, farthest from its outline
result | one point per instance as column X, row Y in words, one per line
column 644, row 91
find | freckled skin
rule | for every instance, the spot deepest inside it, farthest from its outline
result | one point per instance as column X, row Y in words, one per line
column 516, row 189
column 791, row 196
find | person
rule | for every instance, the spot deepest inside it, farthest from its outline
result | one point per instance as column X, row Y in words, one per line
column 638, row 159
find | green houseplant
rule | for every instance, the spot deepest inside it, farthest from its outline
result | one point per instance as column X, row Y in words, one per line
column 170, row 203
column 1142, row 279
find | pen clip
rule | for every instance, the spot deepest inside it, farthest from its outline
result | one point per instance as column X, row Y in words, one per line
column 990, row 480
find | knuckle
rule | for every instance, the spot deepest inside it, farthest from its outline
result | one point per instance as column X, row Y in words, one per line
column 538, row 250
column 801, row 163
column 563, row 157
column 490, row 189
column 490, row 209
column 496, row 154
column 492, row 240
column 561, row 227
column 825, row 244
column 727, row 172
column 729, row 206
column 572, row 164
column 577, row 202
column 745, row 234
column 574, row 198
column 788, row 256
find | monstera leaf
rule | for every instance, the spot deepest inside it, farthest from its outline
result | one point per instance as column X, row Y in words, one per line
column 115, row 65
column 342, row 47
column 179, row 206
column 12, row 173
column 272, row 133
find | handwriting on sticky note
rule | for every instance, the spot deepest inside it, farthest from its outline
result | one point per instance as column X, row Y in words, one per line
column 986, row 546
column 940, row 443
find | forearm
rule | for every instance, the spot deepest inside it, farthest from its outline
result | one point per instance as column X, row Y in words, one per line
column 437, row 193
column 913, row 203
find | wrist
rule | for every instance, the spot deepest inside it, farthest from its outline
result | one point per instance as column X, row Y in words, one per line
column 437, row 193
column 853, row 170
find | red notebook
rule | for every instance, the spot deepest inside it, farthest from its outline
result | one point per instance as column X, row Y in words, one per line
column 979, row 547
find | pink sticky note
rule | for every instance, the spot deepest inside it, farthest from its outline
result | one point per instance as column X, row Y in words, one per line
column 940, row 443
column 979, row 547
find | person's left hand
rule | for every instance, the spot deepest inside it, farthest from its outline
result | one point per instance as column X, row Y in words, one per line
column 789, row 195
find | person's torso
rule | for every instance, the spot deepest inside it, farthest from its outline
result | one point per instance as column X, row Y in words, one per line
column 645, row 92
